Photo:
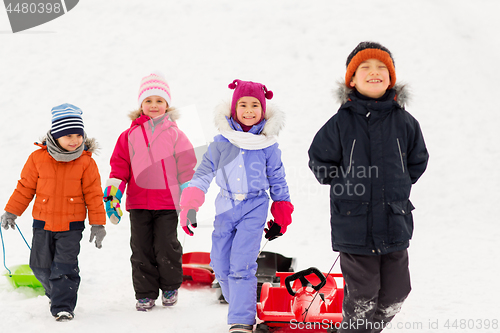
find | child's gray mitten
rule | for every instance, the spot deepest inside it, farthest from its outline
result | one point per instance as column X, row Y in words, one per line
column 98, row 232
column 8, row 220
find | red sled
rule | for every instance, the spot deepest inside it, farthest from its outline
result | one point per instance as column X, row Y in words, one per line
column 306, row 301
column 196, row 270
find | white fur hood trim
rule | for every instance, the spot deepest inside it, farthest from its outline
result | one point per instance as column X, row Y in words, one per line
column 275, row 119
column 91, row 144
column 403, row 94
column 172, row 112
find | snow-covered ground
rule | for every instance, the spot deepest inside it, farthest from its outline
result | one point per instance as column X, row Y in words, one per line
column 95, row 56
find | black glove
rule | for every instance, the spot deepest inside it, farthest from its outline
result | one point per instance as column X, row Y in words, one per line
column 192, row 217
column 188, row 219
column 273, row 230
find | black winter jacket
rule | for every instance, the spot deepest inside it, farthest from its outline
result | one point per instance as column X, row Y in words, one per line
column 370, row 153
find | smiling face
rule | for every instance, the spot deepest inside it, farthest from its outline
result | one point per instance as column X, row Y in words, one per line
column 371, row 78
column 70, row 142
column 248, row 111
column 154, row 106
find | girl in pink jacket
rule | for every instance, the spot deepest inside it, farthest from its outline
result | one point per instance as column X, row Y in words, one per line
column 156, row 160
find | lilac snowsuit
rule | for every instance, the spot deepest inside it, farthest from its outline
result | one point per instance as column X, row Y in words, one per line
column 239, row 224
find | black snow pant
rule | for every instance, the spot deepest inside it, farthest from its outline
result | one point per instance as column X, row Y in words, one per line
column 54, row 261
column 156, row 252
column 375, row 289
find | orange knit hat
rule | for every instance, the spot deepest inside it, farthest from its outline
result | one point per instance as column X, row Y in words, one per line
column 365, row 51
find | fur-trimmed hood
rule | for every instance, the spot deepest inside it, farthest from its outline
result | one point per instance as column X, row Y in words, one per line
column 403, row 95
column 172, row 112
column 91, row 144
column 275, row 119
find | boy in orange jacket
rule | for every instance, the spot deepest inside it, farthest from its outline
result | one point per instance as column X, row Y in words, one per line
column 66, row 182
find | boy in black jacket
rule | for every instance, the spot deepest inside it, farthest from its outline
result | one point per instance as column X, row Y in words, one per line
column 370, row 153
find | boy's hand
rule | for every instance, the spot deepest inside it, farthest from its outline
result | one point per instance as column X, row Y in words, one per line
column 98, row 232
column 187, row 218
column 113, row 193
column 8, row 220
column 273, row 230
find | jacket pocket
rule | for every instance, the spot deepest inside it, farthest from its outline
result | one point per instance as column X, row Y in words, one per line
column 401, row 154
column 400, row 221
column 41, row 207
column 349, row 222
column 76, row 207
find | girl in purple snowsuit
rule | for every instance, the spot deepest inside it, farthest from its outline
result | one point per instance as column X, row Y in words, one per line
column 246, row 162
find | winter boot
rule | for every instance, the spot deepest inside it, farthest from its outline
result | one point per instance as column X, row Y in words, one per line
column 64, row 316
column 145, row 304
column 169, row 298
column 240, row 328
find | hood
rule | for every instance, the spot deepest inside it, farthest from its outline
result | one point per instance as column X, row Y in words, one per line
column 402, row 93
column 275, row 119
column 172, row 112
column 91, row 145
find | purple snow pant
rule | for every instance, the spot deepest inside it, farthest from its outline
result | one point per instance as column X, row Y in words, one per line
column 375, row 288
column 236, row 238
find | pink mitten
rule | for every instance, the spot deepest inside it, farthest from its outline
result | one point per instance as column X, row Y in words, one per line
column 282, row 212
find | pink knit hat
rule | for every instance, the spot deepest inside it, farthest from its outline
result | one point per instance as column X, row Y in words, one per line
column 154, row 85
column 249, row 88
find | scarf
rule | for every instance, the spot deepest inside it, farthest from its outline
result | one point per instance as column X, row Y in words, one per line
column 249, row 141
column 61, row 155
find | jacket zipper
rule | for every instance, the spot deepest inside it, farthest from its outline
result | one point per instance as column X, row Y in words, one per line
column 350, row 157
column 401, row 155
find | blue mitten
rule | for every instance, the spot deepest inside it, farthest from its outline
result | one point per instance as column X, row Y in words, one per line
column 113, row 193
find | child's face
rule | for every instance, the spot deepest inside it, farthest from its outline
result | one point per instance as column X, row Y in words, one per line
column 154, row 106
column 70, row 142
column 371, row 78
column 248, row 110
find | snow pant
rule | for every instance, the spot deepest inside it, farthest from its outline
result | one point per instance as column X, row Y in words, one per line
column 375, row 289
column 156, row 252
column 54, row 261
column 236, row 238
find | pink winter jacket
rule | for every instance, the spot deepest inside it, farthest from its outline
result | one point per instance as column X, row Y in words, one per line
column 154, row 161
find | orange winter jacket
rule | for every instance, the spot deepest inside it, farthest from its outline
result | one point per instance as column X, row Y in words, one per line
column 64, row 191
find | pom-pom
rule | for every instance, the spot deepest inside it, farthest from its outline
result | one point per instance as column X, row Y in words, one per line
column 158, row 73
column 232, row 85
column 269, row 94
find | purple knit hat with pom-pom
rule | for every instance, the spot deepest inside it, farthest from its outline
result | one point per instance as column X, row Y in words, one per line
column 249, row 88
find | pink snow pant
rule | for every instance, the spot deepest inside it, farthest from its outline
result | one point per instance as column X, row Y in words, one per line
column 236, row 238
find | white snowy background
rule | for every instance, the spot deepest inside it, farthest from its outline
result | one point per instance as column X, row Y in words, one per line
column 95, row 55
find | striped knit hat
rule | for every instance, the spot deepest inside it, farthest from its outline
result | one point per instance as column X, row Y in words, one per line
column 154, row 85
column 365, row 51
column 66, row 119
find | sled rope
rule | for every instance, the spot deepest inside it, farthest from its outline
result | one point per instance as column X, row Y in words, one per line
column 23, row 238
column 263, row 246
column 3, row 247
column 3, row 251
column 306, row 311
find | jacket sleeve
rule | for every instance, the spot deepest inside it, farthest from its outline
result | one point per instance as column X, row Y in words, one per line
column 325, row 152
column 417, row 152
column 25, row 190
column 278, row 187
column 185, row 158
column 92, row 193
column 120, row 159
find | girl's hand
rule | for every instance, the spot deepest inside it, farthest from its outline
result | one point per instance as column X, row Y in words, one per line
column 187, row 218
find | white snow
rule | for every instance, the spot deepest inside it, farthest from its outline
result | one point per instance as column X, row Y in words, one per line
column 95, row 55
